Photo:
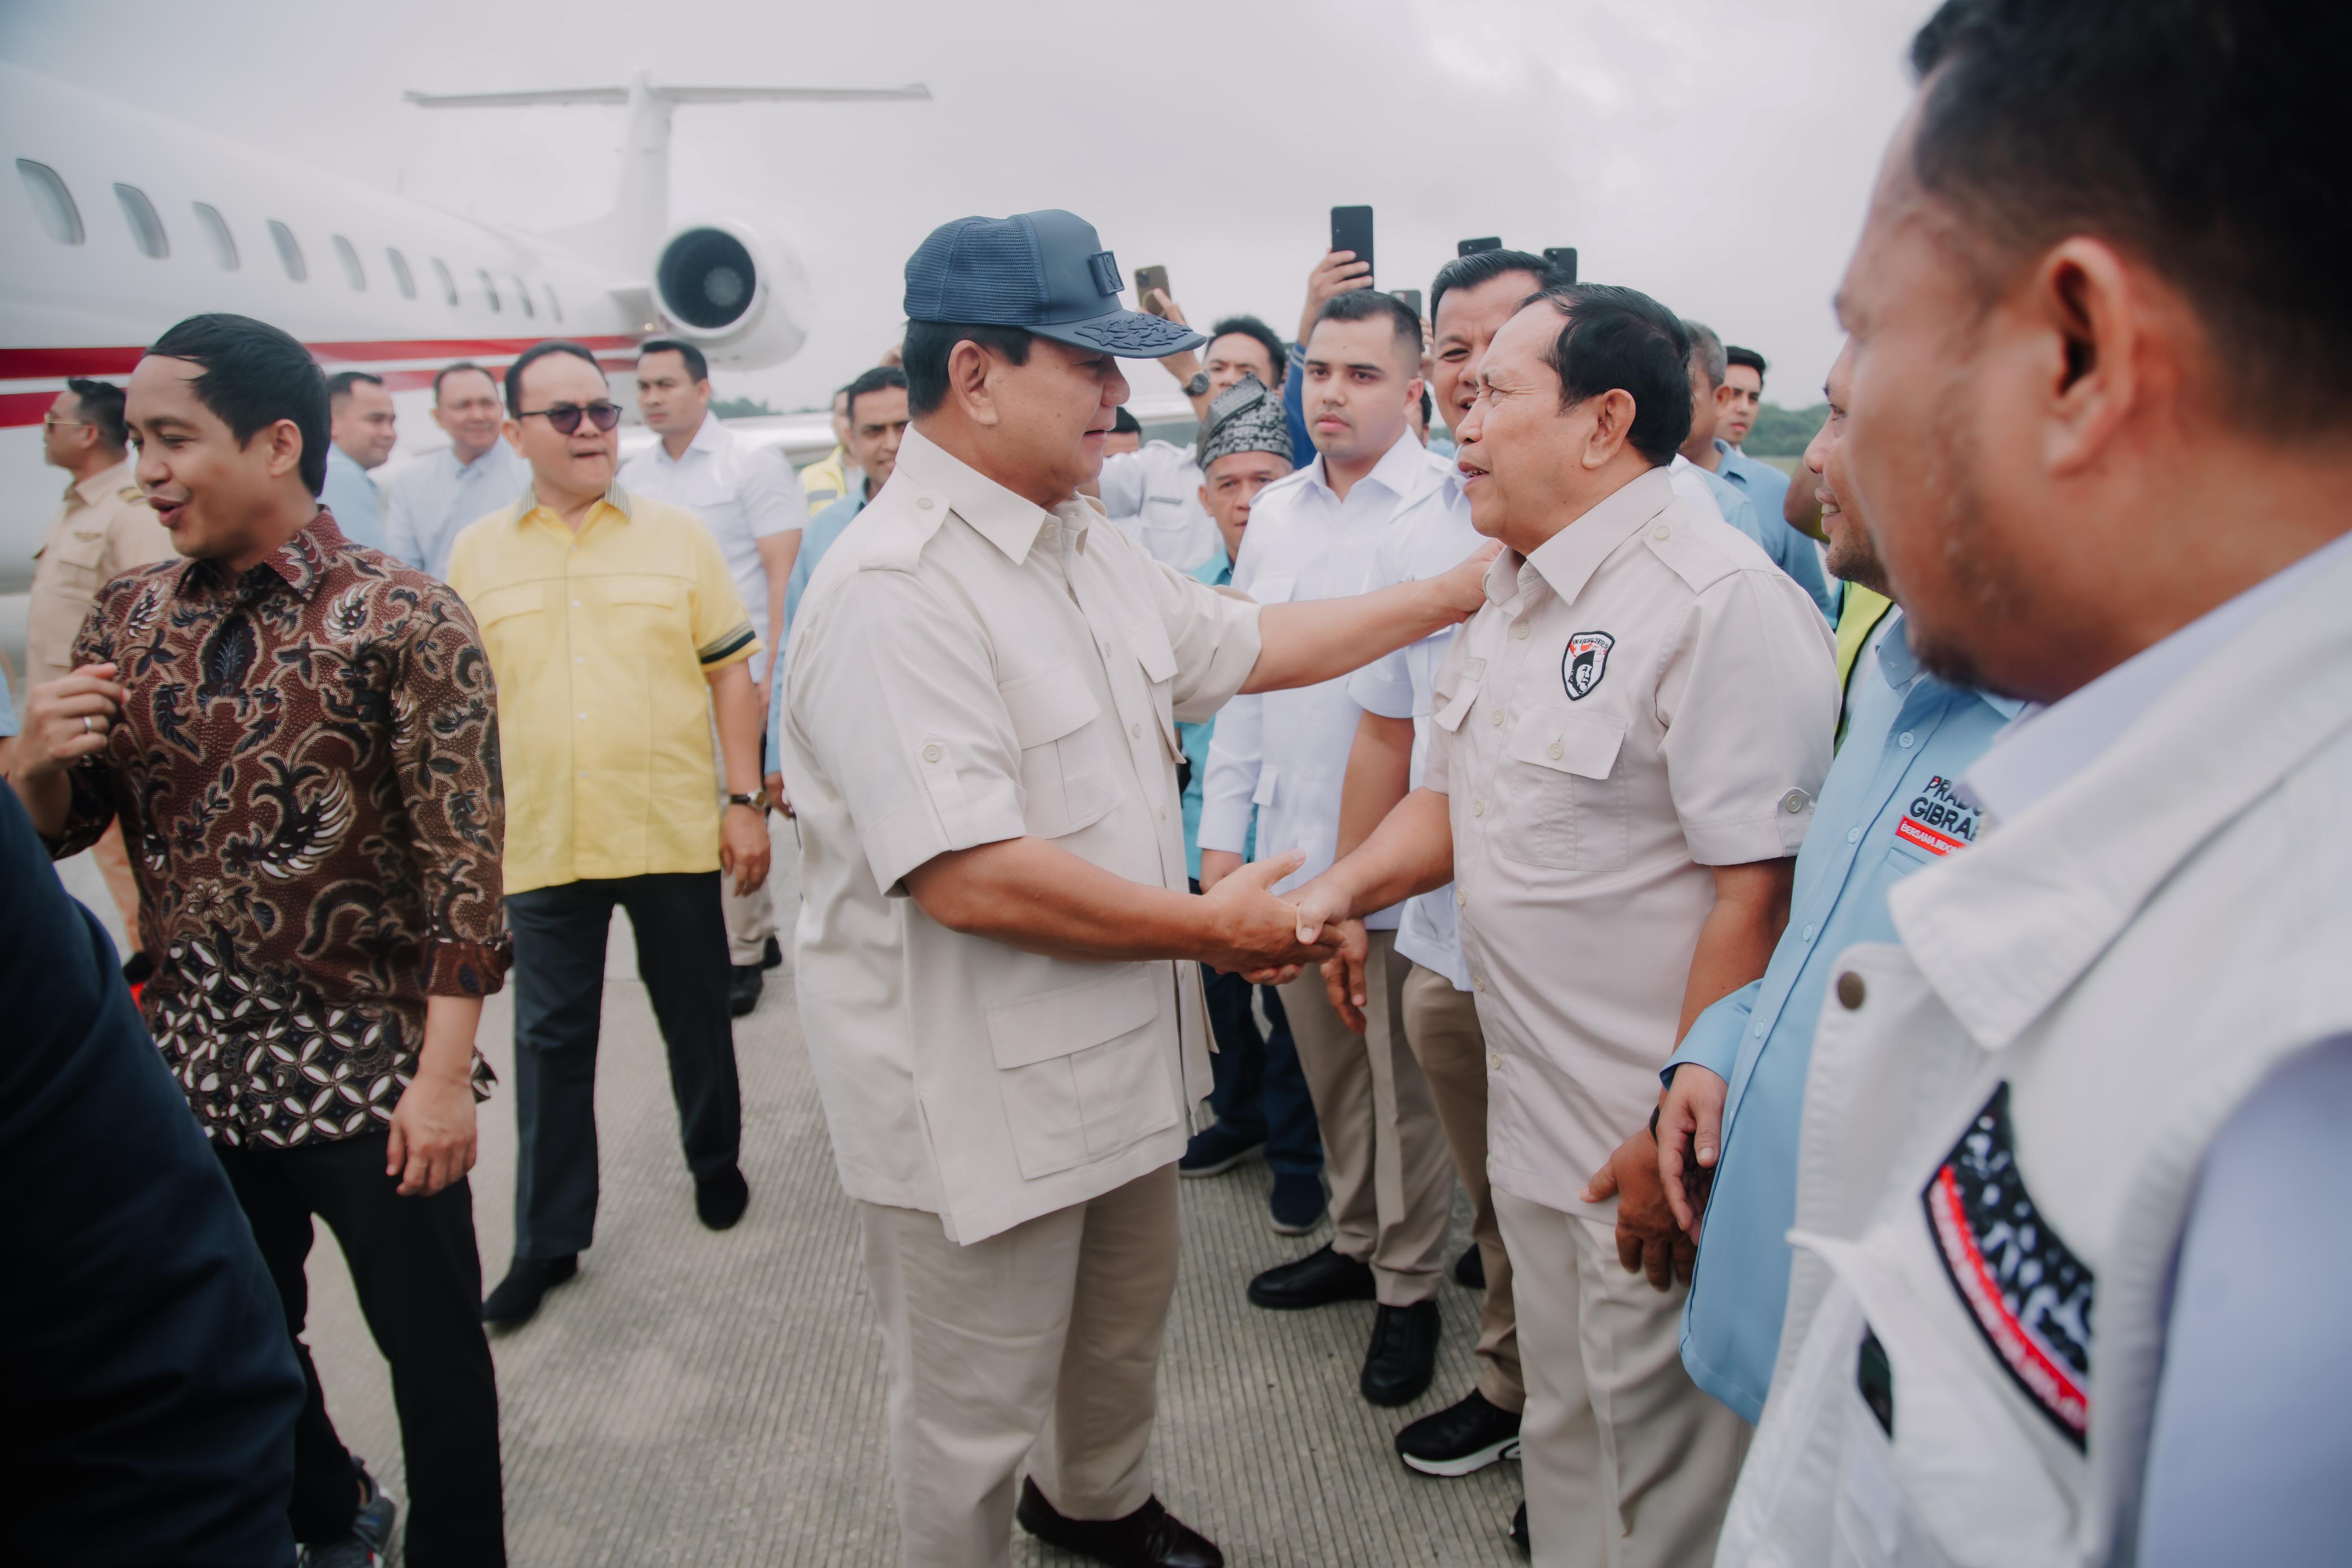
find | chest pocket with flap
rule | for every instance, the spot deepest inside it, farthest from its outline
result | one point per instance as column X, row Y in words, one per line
column 1560, row 808
column 1157, row 659
column 1064, row 780
column 1082, row 1070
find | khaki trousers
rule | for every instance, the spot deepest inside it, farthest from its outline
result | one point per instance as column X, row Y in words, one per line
column 1045, row 1335
column 751, row 920
column 1440, row 1024
column 1626, row 1463
column 1384, row 1151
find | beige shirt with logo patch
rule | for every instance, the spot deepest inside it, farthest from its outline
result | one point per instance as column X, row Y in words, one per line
column 104, row 529
column 1645, row 697
column 965, row 668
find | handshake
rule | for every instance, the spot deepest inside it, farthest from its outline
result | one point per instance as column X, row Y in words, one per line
column 1269, row 938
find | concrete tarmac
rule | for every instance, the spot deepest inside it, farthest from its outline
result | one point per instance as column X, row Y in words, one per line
column 715, row 1399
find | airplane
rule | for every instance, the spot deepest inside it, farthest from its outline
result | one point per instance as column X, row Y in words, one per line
column 124, row 222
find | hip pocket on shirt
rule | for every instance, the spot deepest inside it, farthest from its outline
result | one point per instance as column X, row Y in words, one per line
column 1065, row 782
column 1082, row 1071
column 1560, row 808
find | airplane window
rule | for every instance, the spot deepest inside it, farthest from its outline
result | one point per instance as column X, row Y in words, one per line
column 554, row 306
column 60, row 216
column 448, row 284
column 490, row 289
column 216, row 229
column 522, row 292
column 288, row 251
column 350, row 260
column 400, row 272
column 146, row 228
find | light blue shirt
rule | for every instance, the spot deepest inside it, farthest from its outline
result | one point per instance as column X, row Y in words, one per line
column 7, row 709
column 1217, row 572
column 1886, row 809
column 817, row 539
column 1791, row 551
column 435, row 497
column 351, row 494
column 1765, row 484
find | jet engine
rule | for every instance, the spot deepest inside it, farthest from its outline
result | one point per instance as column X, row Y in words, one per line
column 740, row 297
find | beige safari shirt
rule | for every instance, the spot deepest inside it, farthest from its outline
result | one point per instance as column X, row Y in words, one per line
column 1645, row 697
column 105, row 528
column 967, row 668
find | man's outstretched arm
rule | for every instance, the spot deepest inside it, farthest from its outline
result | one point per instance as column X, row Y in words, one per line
column 1323, row 639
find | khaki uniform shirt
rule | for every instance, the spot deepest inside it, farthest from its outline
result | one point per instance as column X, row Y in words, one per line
column 967, row 668
column 105, row 528
column 1645, row 697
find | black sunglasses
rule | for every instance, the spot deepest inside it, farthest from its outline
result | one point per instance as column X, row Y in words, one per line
column 565, row 416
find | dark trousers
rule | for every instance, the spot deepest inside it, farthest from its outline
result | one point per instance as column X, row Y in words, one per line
column 560, row 936
column 1258, row 1088
column 419, row 1283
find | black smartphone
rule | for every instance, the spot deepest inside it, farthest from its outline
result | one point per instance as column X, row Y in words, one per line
column 1351, row 229
column 1148, row 278
column 1471, row 247
column 1411, row 297
column 1563, row 261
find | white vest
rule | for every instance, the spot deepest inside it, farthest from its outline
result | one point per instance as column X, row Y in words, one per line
column 2005, row 1119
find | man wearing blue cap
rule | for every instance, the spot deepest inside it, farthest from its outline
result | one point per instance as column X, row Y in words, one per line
column 997, row 936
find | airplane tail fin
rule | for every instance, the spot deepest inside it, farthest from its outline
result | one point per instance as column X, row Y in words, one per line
column 629, row 232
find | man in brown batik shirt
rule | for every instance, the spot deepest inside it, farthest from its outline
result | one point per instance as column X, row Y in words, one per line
column 300, row 738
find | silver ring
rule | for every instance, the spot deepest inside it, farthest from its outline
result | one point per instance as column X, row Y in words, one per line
column 87, row 729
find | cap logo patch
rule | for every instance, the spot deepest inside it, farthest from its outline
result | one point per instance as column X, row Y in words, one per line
column 2026, row 1292
column 1587, row 658
column 1106, row 270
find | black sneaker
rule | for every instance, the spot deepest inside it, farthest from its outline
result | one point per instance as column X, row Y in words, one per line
column 1317, row 1279
column 1297, row 1206
column 1402, row 1356
column 1460, row 1438
column 517, row 1296
column 743, row 984
column 1150, row 1537
column 1518, row 1530
column 719, row 1201
column 371, row 1536
column 1216, row 1149
column 771, row 956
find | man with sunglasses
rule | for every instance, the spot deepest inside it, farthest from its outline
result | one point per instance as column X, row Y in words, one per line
column 615, row 632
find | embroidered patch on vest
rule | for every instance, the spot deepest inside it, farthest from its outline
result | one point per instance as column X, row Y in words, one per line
column 2028, row 1295
column 1939, row 818
column 1580, row 667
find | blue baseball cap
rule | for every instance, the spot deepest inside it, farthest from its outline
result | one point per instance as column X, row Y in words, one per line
column 1047, row 272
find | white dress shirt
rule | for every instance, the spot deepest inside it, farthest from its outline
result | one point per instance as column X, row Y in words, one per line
column 742, row 493
column 439, row 495
column 1428, row 536
column 1285, row 753
column 1154, row 494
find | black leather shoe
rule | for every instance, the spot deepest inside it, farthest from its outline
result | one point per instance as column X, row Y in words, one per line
column 517, row 1297
column 771, row 956
column 719, row 1200
column 1150, row 1537
column 1470, row 1269
column 1402, row 1356
column 743, row 984
column 1460, row 1438
column 1518, row 1530
column 1317, row 1279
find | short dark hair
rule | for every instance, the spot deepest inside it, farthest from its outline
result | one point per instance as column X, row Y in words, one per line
column 255, row 374
column 1706, row 351
column 531, row 357
column 1734, row 355
column 1125, row 423
column 1617, row 338
column 1428, row 408
column 698, row 366
column 2180, row 130
column 101, row 405
column 463, row 367
column 1268, row 339
column 1371, row 305
column 873, row 381
column 340, row 384
column 928, row 344
column 1485, row 267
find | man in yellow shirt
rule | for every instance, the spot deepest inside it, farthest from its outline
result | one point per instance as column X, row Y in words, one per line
column 614, row 632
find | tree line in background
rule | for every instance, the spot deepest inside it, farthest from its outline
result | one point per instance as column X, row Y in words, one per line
column 1784, row 432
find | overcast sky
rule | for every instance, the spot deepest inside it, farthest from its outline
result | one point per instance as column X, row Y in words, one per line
column 1716, row 154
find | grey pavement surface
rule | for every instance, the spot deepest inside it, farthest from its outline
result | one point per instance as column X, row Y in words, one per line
column 715, row 1399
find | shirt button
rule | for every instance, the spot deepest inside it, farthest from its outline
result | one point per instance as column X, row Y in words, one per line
column 1759, row 1031
column 1477, row 807
column 1853, row 835
column 1809, row 932
column 1499, row 717
column 1460, row 898
column 1554, row 750
column 924, row 502
column 576, row 604
column 1662, row 532
column 1135, row 730
column 1478, row 983
column 930, row 754
column 1795, row 801
column 1905, row 740
column 584, row 716
column 1495, row 1061
column 1851, row 991
column 580, row 659
column 1519, row 630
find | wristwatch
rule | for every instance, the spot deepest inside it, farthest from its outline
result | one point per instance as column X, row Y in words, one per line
column 758, row 802
column 1198, row 384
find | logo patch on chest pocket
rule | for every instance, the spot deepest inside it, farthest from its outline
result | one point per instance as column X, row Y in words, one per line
column 2026, row 1292
column 1581, row 667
